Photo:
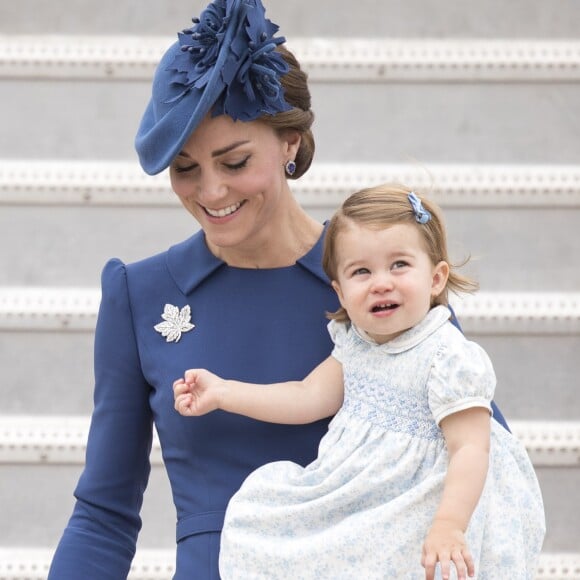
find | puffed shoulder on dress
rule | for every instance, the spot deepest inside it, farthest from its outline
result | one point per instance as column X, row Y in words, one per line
column 113, row 274
column 338, row 333
column 461, row 376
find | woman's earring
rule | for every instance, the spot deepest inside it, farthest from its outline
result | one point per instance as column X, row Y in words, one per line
column 290, row 168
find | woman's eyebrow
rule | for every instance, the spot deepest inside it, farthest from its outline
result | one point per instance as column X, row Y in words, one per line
column 217, row 152
column 228, row 148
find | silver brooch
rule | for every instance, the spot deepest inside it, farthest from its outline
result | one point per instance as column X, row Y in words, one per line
column 175, row 322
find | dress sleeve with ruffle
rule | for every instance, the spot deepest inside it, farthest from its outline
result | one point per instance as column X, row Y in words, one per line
column 339, row 334
column 461, row 377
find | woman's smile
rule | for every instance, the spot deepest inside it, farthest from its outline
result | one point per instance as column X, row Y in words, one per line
column 224, row 211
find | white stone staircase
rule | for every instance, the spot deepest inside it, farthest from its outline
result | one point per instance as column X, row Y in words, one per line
column 478, row 103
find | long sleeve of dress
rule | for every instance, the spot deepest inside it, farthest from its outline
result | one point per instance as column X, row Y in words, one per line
column 99, row 541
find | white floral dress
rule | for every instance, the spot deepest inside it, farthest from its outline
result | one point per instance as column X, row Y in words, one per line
column 361, row 510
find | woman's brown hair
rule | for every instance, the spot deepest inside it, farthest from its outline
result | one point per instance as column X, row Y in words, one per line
column 300, row 117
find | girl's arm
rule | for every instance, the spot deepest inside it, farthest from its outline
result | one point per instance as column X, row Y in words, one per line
column 467, row 435
column 318, row 396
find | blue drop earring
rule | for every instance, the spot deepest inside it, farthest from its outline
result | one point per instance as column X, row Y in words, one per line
column 290, row 168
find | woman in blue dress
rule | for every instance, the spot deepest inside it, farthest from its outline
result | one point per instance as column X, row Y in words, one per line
column 245, row 296
column 412, row 457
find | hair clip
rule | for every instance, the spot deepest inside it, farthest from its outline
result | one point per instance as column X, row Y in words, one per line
column 421, row 214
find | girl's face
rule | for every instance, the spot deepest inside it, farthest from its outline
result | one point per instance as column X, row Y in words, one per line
column 230, row 177
column 386, row 279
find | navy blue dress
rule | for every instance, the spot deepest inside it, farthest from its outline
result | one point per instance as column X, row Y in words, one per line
column 253, row 325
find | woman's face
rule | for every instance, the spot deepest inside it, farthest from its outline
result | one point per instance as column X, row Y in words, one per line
column 230, row 177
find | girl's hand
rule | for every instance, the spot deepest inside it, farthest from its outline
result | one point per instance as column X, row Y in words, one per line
column 445, row 543
column 197, row 393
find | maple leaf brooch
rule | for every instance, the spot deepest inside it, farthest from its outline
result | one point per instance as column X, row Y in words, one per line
column 175, row 322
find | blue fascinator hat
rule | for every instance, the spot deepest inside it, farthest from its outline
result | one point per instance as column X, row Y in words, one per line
column 225, row 63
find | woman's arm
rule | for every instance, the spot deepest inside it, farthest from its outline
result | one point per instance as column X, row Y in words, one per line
column 467, row 435
column 99, row 541
column 318, row 396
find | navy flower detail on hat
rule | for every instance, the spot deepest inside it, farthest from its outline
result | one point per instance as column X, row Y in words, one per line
column 251, row 69
column 200, row 46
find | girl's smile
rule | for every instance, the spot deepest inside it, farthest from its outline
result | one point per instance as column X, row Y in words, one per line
column 383, row 309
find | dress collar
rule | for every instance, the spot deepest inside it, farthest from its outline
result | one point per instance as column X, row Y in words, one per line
column 433, row 320
column 191, row 262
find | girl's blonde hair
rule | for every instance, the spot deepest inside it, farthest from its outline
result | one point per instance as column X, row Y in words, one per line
column 381, row 207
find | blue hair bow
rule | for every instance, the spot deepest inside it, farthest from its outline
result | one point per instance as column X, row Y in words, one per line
column 421, row 214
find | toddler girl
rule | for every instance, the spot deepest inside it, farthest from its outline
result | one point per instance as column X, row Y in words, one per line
column 411, row 458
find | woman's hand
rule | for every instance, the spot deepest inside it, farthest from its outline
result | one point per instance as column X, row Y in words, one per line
column 445, row 543
column 197, row 393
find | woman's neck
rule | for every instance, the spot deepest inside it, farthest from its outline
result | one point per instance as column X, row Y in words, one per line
column 280, row 247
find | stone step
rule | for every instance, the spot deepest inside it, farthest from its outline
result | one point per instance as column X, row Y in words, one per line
column 428, row 123
column 71, row 216
column 116, row 183
column 152, row 564
column 459, row 18
column 346, row 60
column 36, row 501
column 51, row 450
column 511, row 249
column 490, row 101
